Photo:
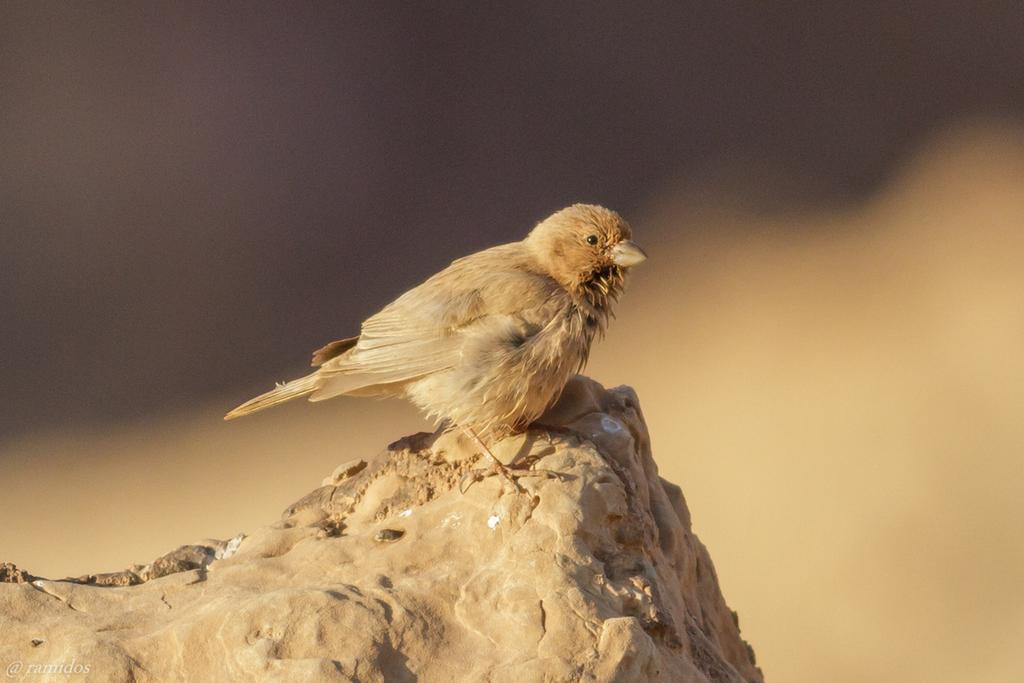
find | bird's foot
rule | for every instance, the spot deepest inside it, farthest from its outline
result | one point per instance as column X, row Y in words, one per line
column 510, row 475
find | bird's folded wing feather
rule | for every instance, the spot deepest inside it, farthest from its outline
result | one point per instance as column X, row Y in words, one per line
column 421, row 332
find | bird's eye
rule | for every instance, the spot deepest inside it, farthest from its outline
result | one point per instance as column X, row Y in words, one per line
column 591, row 239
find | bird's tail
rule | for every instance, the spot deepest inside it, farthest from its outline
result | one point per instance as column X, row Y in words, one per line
column 281, row 393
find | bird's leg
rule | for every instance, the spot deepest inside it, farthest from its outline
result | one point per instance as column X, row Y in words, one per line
column 496, row 466
column 508, row 474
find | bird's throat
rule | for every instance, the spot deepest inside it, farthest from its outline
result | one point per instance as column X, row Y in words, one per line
column 601, row 288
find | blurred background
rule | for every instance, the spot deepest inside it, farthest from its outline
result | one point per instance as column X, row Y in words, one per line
column 827, row 338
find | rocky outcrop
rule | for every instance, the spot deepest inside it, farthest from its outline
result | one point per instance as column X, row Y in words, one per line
column 388, row 573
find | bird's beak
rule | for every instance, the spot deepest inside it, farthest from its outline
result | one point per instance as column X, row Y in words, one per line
column 626, row 254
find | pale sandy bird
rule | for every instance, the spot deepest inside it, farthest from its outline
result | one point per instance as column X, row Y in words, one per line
column 487, row 344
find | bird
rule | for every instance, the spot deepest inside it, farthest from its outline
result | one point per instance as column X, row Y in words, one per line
column 487, row 344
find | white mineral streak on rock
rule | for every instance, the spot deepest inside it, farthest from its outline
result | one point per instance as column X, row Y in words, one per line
column 610, row 425
column 230, row 548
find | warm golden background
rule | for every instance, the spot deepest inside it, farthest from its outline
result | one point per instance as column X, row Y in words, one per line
column 827, row 340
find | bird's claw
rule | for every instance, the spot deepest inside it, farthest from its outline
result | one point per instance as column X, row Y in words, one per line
column 509, row 474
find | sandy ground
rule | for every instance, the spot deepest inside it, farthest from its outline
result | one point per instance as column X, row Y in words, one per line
column 842, row 407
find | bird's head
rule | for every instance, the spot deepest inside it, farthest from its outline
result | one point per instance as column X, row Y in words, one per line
column 586, row 248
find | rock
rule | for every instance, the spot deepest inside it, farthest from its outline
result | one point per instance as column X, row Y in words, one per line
column 9, row 573
column 388, row 573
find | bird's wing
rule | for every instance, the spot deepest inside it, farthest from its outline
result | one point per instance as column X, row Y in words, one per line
column 332, row 350
column 421, row 332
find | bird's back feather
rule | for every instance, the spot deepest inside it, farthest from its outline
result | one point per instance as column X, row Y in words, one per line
column 424, row 331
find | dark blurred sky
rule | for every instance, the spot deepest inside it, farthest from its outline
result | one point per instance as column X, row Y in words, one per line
column 194, row 195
